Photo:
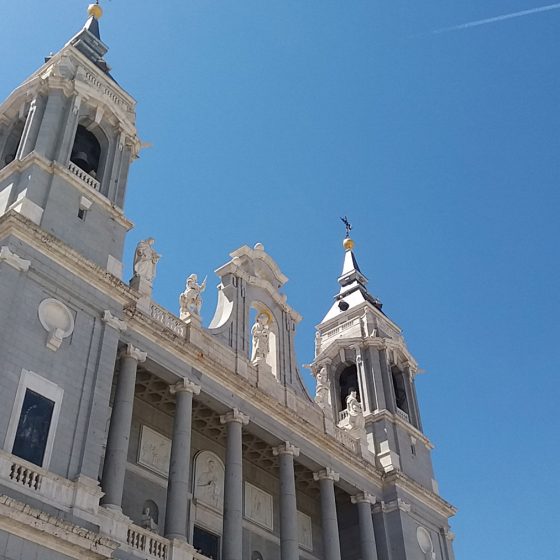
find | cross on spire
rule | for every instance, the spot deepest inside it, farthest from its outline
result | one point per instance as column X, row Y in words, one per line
column 347, row 224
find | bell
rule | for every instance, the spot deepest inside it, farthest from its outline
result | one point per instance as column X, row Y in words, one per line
column 82, row 161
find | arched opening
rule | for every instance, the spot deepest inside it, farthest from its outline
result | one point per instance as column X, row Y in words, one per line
column 12, row 143
column 86, row 151
column 347, row 382
column 400, row 389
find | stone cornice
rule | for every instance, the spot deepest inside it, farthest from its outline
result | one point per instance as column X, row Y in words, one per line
column 24, row 229
column 17, row 166
column 430, row 499
column 395, row 419
column 51, row 532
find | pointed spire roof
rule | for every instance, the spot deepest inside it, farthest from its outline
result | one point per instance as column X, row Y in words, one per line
column 88, row 40
column 353, row 285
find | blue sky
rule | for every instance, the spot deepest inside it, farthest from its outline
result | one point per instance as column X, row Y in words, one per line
column 271, row 119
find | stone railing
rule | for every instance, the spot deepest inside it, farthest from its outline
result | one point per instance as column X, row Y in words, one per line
column 168, row 320
column 341, row 328
column 85, row 177
column 147, row 542
column 343, row 414
column 347, row 440
column 46, row 486
column 402, row 414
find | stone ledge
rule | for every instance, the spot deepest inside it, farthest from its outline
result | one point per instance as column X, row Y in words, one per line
column 45, row 530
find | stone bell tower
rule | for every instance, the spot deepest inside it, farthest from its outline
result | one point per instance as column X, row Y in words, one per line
column 366, row 377
column 67, row 139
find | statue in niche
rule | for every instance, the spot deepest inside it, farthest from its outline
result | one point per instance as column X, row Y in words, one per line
column 209, row 484
column 148, row 520
column 190, row 300
column 323, row 387
column 145, row 260
column 260, row 333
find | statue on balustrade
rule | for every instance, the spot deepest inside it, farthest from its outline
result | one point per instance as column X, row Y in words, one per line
column 323, row 387
column 355, row 412
column 260, row 333
column 190, row 300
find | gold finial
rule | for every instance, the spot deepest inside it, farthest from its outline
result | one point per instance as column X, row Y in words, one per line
column 348, row 243
column 94, row 10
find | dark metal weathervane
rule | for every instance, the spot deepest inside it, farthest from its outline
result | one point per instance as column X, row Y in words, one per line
column 347, row 224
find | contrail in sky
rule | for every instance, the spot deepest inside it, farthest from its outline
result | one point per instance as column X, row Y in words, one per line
column 500, row 18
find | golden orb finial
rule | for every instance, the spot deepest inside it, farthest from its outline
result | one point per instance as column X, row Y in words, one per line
column 94, row 10
column 348, row 244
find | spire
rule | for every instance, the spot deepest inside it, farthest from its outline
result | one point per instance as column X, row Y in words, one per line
column 353, row 284
column 88, row 40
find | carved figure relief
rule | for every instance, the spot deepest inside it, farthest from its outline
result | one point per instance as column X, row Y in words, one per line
column 261, row 334
column 258, row 506
column 209, row 480
column 155, row 450
column 190, row 300
column 305, row 536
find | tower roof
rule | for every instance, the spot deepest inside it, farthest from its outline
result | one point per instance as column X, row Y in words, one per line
column 88, row 40
column 353, row 285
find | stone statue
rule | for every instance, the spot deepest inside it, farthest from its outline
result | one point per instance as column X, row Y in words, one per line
column 190, row 300
column 353, row 404
column 323, row 388
column 145, row 260
column 147, row 520
column 354, row 408
column 260, row 333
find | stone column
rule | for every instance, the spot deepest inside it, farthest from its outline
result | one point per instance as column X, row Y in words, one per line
column 368, row 547
column 232, row 534
column 176, row 510
column 114, row 468
column 331, row 541
column 289, row 546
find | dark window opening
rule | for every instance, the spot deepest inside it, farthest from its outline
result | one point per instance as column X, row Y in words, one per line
column 206, row 543
column 348, row 381
column 86, row 151
column 400, row 391
column 82, row 214
column 12, row 143
column 33, row 428
column 256, row 555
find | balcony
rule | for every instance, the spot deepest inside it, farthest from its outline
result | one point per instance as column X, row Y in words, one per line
column 84, row 177
column 402, row 414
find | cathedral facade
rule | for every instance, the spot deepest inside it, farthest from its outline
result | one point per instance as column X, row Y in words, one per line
column 128, row 431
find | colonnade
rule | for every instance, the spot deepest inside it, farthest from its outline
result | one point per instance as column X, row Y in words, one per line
column 179, row 475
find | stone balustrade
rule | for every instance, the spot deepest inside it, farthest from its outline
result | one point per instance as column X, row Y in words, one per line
column 402, row 414
column 36, row 482
column 168, row 320
column 85, row 177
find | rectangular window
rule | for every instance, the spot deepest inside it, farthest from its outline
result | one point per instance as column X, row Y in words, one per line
column 206, row 543
column 34, row 418
column 33, row 428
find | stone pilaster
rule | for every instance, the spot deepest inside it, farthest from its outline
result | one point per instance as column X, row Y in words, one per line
column 232, row 534
column 114, row 468
column 289, row 546
column 331, row 540
column 177, row 507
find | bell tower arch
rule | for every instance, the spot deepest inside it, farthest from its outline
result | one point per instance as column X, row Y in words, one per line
column 67, row 139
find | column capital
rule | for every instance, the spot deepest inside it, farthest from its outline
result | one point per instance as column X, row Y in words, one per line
column 234, row 415
column 363, row 497
column 286, row 448
column 184, row 386
column 130, row 351
column 115, row 322
column 326, row 474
